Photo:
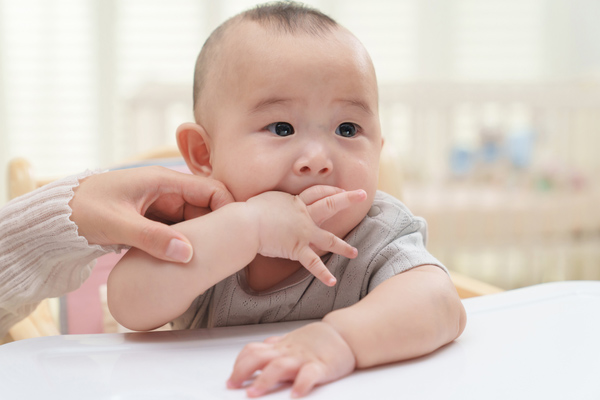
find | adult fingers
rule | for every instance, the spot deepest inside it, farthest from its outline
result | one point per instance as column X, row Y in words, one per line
column 195, row 190
column 313, row 263
column 318, row 192
column 281, row 369
column 156, row 239
column 327, row 207
column 191, row 212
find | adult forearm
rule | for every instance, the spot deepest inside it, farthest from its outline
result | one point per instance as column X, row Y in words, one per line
column 407, row 316
column 41, row 253
column 144, row 292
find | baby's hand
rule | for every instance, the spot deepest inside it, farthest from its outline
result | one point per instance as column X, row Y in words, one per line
column 288, row 226
column 309, row 356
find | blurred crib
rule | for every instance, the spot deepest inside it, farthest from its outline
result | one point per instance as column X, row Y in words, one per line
column 506, row 175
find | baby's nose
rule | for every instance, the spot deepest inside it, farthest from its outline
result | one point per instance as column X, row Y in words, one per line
column 314, row 162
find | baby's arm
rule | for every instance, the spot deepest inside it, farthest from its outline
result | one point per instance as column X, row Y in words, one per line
column 144, row 292
column 409, row 315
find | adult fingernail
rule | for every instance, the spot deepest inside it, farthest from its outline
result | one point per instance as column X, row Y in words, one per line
column 179, row 251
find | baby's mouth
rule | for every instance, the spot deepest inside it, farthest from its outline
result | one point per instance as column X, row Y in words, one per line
column 295, row 191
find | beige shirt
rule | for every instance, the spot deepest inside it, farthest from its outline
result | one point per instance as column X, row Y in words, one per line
column 390, row 240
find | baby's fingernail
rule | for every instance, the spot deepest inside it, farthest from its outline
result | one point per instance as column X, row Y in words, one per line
column 179, row 251
column 331, row 281
column 253, row 391
column 230, row 384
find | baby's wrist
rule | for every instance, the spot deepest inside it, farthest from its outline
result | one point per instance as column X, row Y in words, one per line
column 339, row 338
column 251, row 217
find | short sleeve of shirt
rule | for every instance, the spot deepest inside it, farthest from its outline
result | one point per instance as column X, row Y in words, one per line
column 391, row 240
column 405, row 252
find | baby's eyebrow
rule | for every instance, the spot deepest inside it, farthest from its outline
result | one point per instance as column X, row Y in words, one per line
column 356, row 103
column 268, row 102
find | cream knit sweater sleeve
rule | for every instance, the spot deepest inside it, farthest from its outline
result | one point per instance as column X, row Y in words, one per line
column 41, row 254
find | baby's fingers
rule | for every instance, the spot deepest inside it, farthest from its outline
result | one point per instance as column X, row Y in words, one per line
column 252, row 358
column 308, row 377
column 318, row 192
column 313, row 263
column 332, row 244
column 279, row 370
column 323, row 209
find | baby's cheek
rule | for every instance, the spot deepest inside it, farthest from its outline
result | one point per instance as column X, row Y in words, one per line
column 239, row 186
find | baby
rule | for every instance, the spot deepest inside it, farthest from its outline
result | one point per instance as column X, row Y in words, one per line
column 286, row 110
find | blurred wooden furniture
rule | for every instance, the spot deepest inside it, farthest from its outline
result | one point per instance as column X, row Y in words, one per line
column 22, row 180
column 39, row 323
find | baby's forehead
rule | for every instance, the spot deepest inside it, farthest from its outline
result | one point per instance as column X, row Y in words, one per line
column 247, row 36
column 283, row 56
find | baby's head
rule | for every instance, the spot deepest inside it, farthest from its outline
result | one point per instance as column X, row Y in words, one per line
column 285, row 99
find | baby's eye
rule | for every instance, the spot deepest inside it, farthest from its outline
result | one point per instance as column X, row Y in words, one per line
column 346, row 129
column 281, row 128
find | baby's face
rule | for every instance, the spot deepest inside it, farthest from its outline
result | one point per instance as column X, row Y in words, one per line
column 291, row 111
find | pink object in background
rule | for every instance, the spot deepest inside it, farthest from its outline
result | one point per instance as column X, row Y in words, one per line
column 84, row 308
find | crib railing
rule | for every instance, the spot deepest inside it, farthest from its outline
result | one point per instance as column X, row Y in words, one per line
column 506, row 175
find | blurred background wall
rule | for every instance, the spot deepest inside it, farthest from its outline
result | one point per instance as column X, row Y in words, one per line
column 492, row 106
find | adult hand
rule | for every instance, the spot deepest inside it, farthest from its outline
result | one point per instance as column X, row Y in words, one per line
column 127, row 207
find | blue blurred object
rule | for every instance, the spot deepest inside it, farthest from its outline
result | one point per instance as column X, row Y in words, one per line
column 491, row 145
column 490, row 152
column 461, row 161
column 520, row 148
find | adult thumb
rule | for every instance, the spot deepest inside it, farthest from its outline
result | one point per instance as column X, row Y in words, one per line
column 160, row 241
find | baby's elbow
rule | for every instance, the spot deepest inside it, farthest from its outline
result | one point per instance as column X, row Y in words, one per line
column 121, row 305
column 455, row 316
column 127, row 317
column 462, row 320
column 116, row 304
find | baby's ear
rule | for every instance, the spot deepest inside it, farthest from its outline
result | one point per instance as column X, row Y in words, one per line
column 194, row 145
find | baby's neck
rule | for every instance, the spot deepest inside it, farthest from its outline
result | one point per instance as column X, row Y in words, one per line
column 265, row 272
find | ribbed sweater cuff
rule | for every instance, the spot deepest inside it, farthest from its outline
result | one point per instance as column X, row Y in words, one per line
column 41, row 253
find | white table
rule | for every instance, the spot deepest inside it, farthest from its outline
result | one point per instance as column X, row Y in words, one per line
column 540, row 342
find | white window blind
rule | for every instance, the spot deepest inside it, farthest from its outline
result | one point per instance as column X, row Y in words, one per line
column 499, row 40
column 156, row 46
column 73, row 73
column 388, row 29
column 48, row 85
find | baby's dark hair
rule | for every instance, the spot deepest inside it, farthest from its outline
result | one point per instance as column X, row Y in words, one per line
column 282, row 16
